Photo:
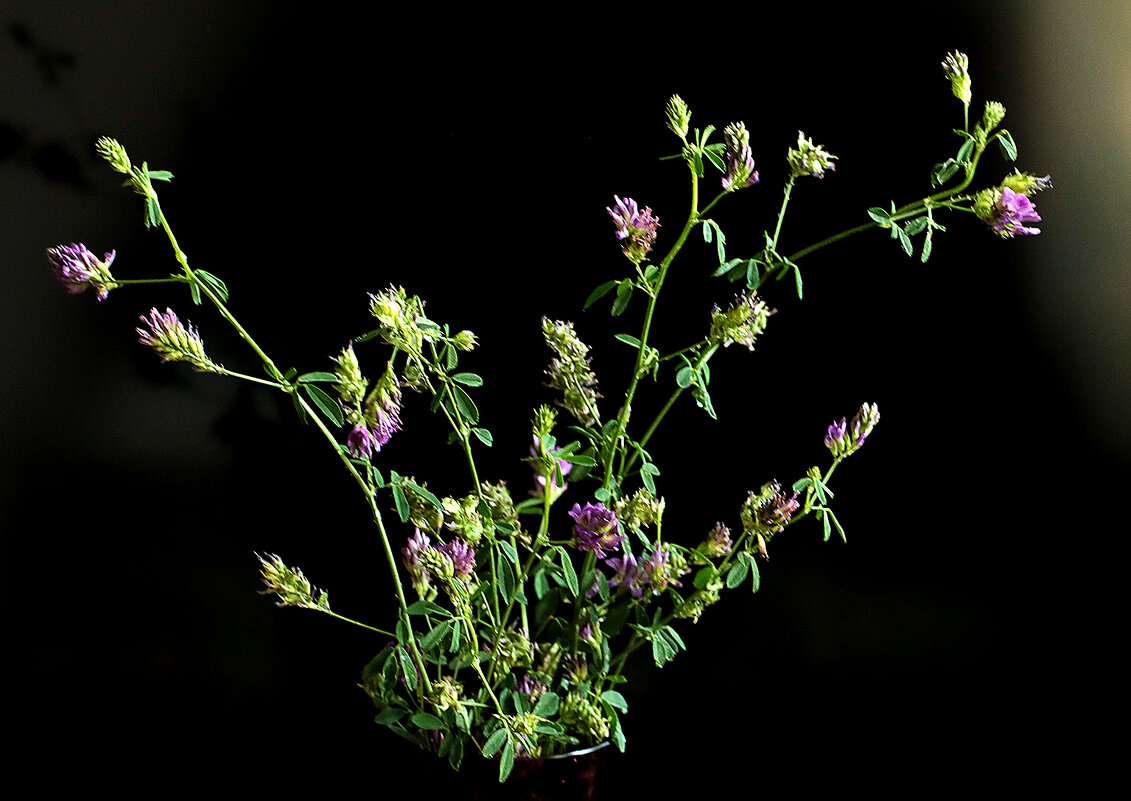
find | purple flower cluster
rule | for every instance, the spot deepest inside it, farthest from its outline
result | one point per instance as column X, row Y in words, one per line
column 371, row 435
column 1010, row 213
column 627, row 574
column 635, row 228
column 595, row 528
column 76, row 268
column 461, row 554
column 844, row 438
column 739, row 157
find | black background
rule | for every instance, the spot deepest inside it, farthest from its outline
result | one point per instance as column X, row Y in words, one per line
column 469, row 157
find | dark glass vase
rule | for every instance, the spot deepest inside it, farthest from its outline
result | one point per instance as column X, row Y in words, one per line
column 566, row 777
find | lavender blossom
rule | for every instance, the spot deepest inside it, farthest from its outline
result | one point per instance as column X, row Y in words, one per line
column 627, row 574
column 1010, row 212
column 739, row 157
column 76, row 268
column 834, row 440
column 844, row 438
column 462, row 556
column 417, row 544
column 662, row 570
column 635, row 228
column 381, row 418
column 595, row 528
column 175, row 341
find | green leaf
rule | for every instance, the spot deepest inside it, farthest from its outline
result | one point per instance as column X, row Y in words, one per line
column 599, row 293
column 408, row 670
column 708, row 231
column 547, row 705
column 541, row 583
column 308, row 378
column 494, row 742
column 328, row 405
column 436, row 635
column 685, row 377
column 401, row 502
column 915, row 226
column 152, row 213
column 965, row 152
column 427, row 608
column 753, row 274
column 579, row 459
column 215, row 284
column 466, row 405
column 485, row 436
column 423, row 493
column 879, row 215
column 737, row 574
column 905, row 241
column 615, row 699
column 628, row 339
column 506, row 578
column 797, row 281
column 159, row 175
column 506, row 761
column 389, row 716
column 468, row 379
column 624, row 295
column 427, row 721
column 568, row 572
column 723, row 269
column 1007, row 145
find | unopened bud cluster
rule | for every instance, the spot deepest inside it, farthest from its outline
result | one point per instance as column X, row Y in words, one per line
column 679, row 116
column 809, row 159
column 290, row 585
column 397, row 313
column 570, row 372
column 956, row 69
column 741, row 322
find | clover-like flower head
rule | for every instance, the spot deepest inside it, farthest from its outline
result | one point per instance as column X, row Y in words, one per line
column 595, row 528
column 76, row 268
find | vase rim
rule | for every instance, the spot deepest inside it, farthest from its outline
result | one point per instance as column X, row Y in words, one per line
column 580, row 752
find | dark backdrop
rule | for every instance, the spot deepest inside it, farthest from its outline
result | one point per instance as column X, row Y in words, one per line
column 321, row 156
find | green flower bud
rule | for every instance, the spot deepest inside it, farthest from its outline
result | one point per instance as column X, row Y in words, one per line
column 465, row 341
column 992, row 115
column 351, row 383
column 955, row 68
column 114, row 154
column 1024, row 183
column 290, row 585
column 679, row 116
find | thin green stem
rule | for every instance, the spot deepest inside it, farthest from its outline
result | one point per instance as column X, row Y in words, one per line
column 781, row 212
column 358, row 623
column 622, row 418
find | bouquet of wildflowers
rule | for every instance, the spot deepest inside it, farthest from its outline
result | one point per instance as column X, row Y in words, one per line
column 517, row 611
